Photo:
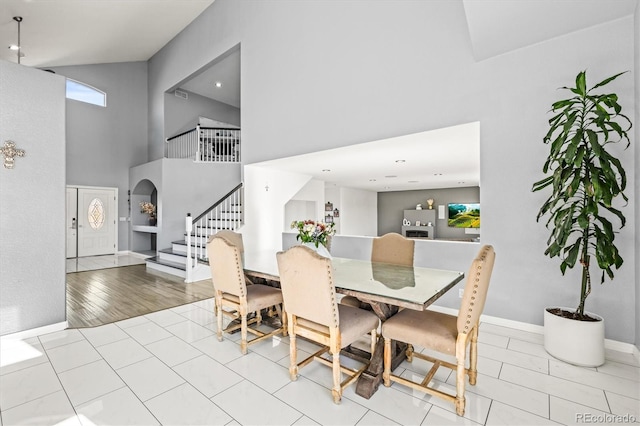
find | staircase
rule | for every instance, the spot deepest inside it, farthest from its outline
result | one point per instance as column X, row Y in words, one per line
column 187, row 257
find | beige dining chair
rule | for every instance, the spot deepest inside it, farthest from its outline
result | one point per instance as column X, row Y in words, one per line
column 443, row 333
column 313, row 313
column 234, row 238
column 390, row 248
column 231, row 291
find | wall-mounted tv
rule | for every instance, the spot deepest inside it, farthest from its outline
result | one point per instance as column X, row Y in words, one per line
column 464, row 215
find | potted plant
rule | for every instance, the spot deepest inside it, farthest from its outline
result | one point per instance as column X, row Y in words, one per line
column 148, row 208
column 315, row 234
column 585, row 179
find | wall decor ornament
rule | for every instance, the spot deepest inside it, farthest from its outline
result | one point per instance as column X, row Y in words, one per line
column 9, row 151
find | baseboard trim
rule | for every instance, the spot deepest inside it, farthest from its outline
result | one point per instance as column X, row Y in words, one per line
column 27, row 334
column 614, row 345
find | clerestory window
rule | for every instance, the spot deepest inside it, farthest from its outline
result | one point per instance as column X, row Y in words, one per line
column 85, row 93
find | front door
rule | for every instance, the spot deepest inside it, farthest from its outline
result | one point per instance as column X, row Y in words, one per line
column 96, row 221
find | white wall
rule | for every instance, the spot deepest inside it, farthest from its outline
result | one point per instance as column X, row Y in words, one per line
column 332, row 194
column 32, row 200
column 183, row 187
column 359, row 213
column 269, row 191
column 393, row 68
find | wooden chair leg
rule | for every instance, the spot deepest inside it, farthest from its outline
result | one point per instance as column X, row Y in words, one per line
column 283, row 319
column 473, row 357
column 243, row 330
column 409, row 352
column 219, row 319
column 293, row 351
column 460, row 400
column 337, row 388
column 386, row 374
column 461, row 349
column 334, row 350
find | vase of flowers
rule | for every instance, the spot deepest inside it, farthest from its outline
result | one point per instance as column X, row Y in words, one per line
column 148, row 208
column 314, row 234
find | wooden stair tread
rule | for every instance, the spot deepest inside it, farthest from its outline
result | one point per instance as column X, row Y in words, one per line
column 168, row 263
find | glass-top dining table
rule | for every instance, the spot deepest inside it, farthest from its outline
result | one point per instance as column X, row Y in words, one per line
column 403, row 286
column 384, row 286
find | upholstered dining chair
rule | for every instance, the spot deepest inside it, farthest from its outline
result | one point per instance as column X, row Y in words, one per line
column 234, row 238
column 231, row 291
column 313, row 312
column 443, row 333
column 390, row 248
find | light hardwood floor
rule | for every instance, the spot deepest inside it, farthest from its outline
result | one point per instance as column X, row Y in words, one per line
column 108, row 295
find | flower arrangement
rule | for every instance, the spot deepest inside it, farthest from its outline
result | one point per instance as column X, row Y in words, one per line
column 311, row 231
column 148, row 208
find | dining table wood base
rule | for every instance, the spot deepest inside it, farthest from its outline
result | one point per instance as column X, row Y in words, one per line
column 371, row 378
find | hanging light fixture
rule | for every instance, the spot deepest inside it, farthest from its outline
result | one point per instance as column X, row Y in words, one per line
column 17, row 47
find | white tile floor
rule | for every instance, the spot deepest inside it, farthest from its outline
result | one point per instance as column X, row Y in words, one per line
column 168, row 368
column 90, row 263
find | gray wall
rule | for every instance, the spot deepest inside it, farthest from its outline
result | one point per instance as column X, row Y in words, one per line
column 182, row 187
column 32, row 206
column 182, row 114
column 392, row 204
column 103, row 143
column 325, row 87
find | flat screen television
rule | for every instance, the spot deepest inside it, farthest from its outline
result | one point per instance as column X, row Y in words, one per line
column 464, row 215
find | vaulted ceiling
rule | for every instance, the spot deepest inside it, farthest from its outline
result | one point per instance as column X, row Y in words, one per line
column 74, row 32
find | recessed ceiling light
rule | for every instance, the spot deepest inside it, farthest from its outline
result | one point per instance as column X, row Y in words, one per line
column 437, row 174
column 400, row 161
column 218, row 84
column 391, row 176
column 413, row 181
column 326, row 170
column 460, row 182
column 372, row 180
column 387, row 187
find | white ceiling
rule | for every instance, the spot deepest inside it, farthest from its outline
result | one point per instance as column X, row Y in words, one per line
column 227, row 72
column 72, row 32
column 443, row 158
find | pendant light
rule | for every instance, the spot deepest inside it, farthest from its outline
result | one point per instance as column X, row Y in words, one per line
column 17, row 47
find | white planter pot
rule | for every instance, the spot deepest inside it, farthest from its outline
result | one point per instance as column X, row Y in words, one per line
column 576, row 342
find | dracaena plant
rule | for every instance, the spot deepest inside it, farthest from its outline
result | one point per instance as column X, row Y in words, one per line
column 584, row 178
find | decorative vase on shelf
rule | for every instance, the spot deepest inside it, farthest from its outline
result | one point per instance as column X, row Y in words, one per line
column 321, row 250
column 153, row 221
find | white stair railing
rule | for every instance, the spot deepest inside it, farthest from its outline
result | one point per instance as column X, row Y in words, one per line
column 227, row 213
column 206, row 144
